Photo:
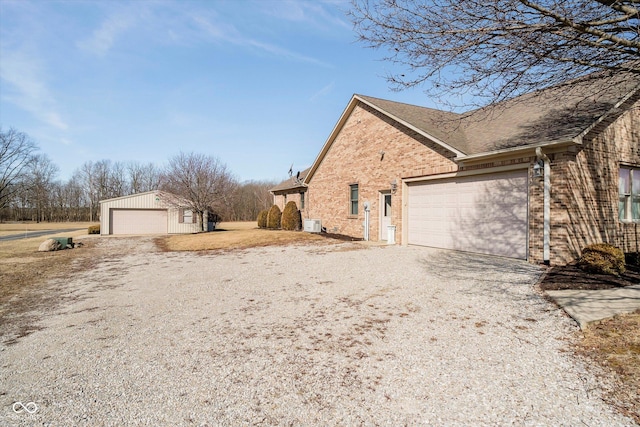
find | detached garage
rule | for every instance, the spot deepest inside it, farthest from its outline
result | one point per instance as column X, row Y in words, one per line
column 153, row 212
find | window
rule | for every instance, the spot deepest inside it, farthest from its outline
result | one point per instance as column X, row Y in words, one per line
column 185, row 216
column 629, row 193
column 301, row 200
column 353, row 196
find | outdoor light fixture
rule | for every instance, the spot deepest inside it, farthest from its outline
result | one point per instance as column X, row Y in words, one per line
column 538, row 169
column 394, row 186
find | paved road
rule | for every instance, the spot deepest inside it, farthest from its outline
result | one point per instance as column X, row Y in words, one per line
column 39, row 233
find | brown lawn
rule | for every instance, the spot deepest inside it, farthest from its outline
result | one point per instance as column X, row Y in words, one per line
column 236, row 235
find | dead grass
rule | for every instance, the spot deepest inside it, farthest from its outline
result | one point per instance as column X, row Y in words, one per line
column 236, row 235
column 8, row 228
column 615, row 344
column 24, row 270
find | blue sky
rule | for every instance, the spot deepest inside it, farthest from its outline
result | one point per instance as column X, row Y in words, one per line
column 258, row 84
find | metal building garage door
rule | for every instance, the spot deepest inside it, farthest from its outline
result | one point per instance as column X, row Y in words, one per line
column 138, row 221
column 483, row 213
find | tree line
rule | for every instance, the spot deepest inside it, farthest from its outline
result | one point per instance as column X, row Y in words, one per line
column 31, row 191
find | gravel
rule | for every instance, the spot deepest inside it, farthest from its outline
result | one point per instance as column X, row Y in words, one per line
column 341, row 334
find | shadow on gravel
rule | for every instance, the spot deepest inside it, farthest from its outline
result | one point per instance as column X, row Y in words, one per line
column 485, row 274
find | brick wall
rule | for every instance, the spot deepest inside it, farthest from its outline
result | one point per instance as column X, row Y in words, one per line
column 584, row 186
column 356, row 157
column 584, row 181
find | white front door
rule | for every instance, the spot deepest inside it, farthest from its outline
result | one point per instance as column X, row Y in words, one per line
column 385, row 215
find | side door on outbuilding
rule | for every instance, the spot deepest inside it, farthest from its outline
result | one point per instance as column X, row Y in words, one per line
column 480, row 213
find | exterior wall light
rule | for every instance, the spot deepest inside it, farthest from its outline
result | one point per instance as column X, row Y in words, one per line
column 538, row 169
column 394, row 186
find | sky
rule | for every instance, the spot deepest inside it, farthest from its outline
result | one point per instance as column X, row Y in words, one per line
column 257, row 84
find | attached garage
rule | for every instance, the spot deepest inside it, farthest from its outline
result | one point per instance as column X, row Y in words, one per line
column 153, row 212
column 481, row 213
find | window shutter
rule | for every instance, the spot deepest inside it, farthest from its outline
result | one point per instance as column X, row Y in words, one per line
column 181, row 215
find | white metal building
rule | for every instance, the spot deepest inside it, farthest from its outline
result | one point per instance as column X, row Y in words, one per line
column 153, row 212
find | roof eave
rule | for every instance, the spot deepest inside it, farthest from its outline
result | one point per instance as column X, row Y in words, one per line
column 412, row 127
column 605, row 116
column 515, row 151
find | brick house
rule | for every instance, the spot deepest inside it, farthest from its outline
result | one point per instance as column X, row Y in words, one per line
column 537, row 177
column 292, row 189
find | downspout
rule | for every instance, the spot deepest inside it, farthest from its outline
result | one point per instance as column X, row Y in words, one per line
column 367, row 209
column 546, row 231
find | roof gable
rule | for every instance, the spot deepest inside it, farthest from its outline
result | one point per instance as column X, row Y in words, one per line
column 559, row 114
column 428, row 122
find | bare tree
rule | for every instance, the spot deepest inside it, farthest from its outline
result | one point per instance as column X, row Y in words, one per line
column 498, row 49
column 38, row 183
column 203, row 182
column 16, row 150
column 250, row 198
column 143, row 177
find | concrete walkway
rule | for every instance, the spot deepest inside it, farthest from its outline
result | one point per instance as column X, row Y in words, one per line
column 586, row 306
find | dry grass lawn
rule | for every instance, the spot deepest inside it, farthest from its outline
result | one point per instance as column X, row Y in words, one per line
column 235, row 235
column 24, row 271
column 615, row 344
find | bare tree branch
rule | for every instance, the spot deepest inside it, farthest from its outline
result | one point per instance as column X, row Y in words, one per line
column 16, row 150
column 484, row 52
column 202, row 181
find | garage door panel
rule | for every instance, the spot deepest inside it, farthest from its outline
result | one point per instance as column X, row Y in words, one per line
column 486, row 214
column 138, row 221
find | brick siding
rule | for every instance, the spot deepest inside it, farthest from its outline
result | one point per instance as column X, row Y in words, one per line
column 355, row 157
column 584, row 181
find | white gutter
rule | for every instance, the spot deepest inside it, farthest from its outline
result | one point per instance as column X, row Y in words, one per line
column 546, row 232
column 513, row 150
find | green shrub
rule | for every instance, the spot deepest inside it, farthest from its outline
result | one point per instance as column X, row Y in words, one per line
column 602, row 258
column 291, row 218
column 262, row 218
column 94, row 229
column 274, row 217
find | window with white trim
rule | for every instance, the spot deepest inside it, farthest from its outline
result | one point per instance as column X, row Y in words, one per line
column 629, row 194
column 301, row 200
column 186, row 216
column 353, row 199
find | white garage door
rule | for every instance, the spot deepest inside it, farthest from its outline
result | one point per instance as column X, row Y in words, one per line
column 138, row 221
column 485, row 214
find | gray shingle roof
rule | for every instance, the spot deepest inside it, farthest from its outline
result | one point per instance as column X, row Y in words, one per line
column 292, row 183
column 559, row 113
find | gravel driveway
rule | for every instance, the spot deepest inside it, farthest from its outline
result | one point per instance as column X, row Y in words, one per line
column 339, row 334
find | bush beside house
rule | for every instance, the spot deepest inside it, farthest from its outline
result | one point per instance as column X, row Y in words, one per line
column 262, row 218
column 291, row 217
column 274, row 217
column 602, row 258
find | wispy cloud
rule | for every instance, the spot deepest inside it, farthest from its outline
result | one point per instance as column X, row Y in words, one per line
column 314, row 13
column 27, row 88
column 106, row 35
column 322, row 92
column 228, row 33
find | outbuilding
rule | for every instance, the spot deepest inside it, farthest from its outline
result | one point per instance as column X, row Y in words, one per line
column 153, row 212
